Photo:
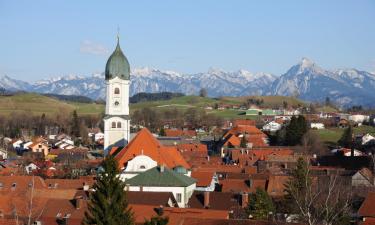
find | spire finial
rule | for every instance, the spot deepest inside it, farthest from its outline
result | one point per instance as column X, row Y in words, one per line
column 118, row 34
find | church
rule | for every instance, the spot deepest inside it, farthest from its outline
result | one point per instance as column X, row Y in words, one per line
column 117, row 119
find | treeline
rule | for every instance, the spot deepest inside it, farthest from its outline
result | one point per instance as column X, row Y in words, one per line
column 23, row 124
column 70, row 98
column 192, row 117
column 145, row 97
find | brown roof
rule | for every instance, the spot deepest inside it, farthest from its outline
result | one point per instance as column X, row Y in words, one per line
column 218, row 200
column 179, row 133
column 150, row 198
column 367, row 208
column 276, row 185
column 204, row 179
column 70, row 183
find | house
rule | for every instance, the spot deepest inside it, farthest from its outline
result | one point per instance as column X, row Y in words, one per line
column 206, row 181
column 367, row 139
column 144, row 143
column 272, row 126
column 348, row 152
column 162, row 179
column 39, row 147
column 317, row 126
column 363, row 178
column 31, row 167
column 359, row 118
column 3, row 154
column 367, row 209
column 343, row 123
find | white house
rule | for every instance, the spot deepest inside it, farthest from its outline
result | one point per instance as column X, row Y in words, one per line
column 29, row 168
column 3, row 154
column 206, row 181
column 367, row 139
column 317, row 126
column 348, row 152
column 162, row 179
column 358, row 118
column 272, row 126
column 137, row 165
column 17, row 144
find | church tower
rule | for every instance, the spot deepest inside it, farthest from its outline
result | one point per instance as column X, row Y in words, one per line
column 117, row 119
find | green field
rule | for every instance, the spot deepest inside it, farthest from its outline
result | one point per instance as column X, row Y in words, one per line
column 38, row 104
column 332, row 135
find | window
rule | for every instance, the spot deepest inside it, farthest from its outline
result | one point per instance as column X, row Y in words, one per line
column 178, row 196
column 118, row 124
column 142, row 167
column 113, row 124
column 117, row 91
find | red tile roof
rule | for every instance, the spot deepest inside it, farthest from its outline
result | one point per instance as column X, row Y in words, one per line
column 367, row 208
column 204, row 179
column 144, row 143
column 243, row 122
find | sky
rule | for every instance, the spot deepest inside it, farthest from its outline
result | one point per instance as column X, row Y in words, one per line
column 44, row 39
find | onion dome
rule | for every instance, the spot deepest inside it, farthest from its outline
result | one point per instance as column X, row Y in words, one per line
column 117, row 65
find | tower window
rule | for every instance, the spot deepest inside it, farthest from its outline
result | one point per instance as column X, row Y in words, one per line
column 117, row 91
column 113, row 124
column 118, row 124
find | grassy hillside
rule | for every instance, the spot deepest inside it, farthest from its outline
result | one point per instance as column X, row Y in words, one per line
column 332, row 135
column 39, row 104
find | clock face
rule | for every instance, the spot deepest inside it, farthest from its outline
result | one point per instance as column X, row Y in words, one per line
column 117, row 103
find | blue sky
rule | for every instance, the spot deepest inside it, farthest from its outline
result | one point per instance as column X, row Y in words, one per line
column 42, row 39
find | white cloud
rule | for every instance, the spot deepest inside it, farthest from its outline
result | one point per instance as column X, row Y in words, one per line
column 93, row 48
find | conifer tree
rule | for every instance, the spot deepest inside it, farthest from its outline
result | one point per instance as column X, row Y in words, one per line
column 260, row 205
column 162, row 132
column 108, row 204
column 346, row 139
column 75, row 129
column 157, row 220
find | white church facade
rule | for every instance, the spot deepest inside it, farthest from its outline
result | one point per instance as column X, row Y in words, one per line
column 117, row 119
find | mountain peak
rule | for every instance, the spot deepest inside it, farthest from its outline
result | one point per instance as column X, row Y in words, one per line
column 306, row 63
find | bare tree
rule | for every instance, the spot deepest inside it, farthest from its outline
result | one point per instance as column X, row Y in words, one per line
column 318, row 201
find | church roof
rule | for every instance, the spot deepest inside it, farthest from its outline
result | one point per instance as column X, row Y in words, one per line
column 117, row 65
column 144, row 143
column 161, row 177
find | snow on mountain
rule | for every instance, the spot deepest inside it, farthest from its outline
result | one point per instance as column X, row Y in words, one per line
column 306, row 80
column 310, row 82
column 10, row 84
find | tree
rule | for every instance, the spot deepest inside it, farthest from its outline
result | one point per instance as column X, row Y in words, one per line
column 108, row 204
column 157, row 220
column 328, row 101
column 260, row 205
column 327, row 203
column 203, row 93
column 162, row 132
column 346, row 139
column 295, row 130
column 243, row 143
column 75, row 125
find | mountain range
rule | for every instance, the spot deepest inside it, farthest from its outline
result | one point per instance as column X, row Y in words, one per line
column 306, row 80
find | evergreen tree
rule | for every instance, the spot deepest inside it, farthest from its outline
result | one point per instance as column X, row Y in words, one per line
column 157, row 220
column 346, row 139
column 295, row 130
column 108, row 204
column 162, row 132
column 75, row 128
column 260, row 205
column 243, row 143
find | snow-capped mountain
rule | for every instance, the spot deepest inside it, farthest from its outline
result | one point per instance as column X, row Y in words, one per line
column 310, row 82
column 10, row 84
column 306, row 80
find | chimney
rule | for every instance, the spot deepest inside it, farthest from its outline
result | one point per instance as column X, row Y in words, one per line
column 160, row 210
column 244, row 199
column 206, row 199
column 162, row 168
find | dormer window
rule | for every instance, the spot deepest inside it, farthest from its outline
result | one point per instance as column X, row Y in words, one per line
column 14, row 185
column 117, row 91
column 30, row 185
column 142, row 167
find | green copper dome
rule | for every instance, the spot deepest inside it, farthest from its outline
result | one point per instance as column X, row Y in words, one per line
column 117, row 65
